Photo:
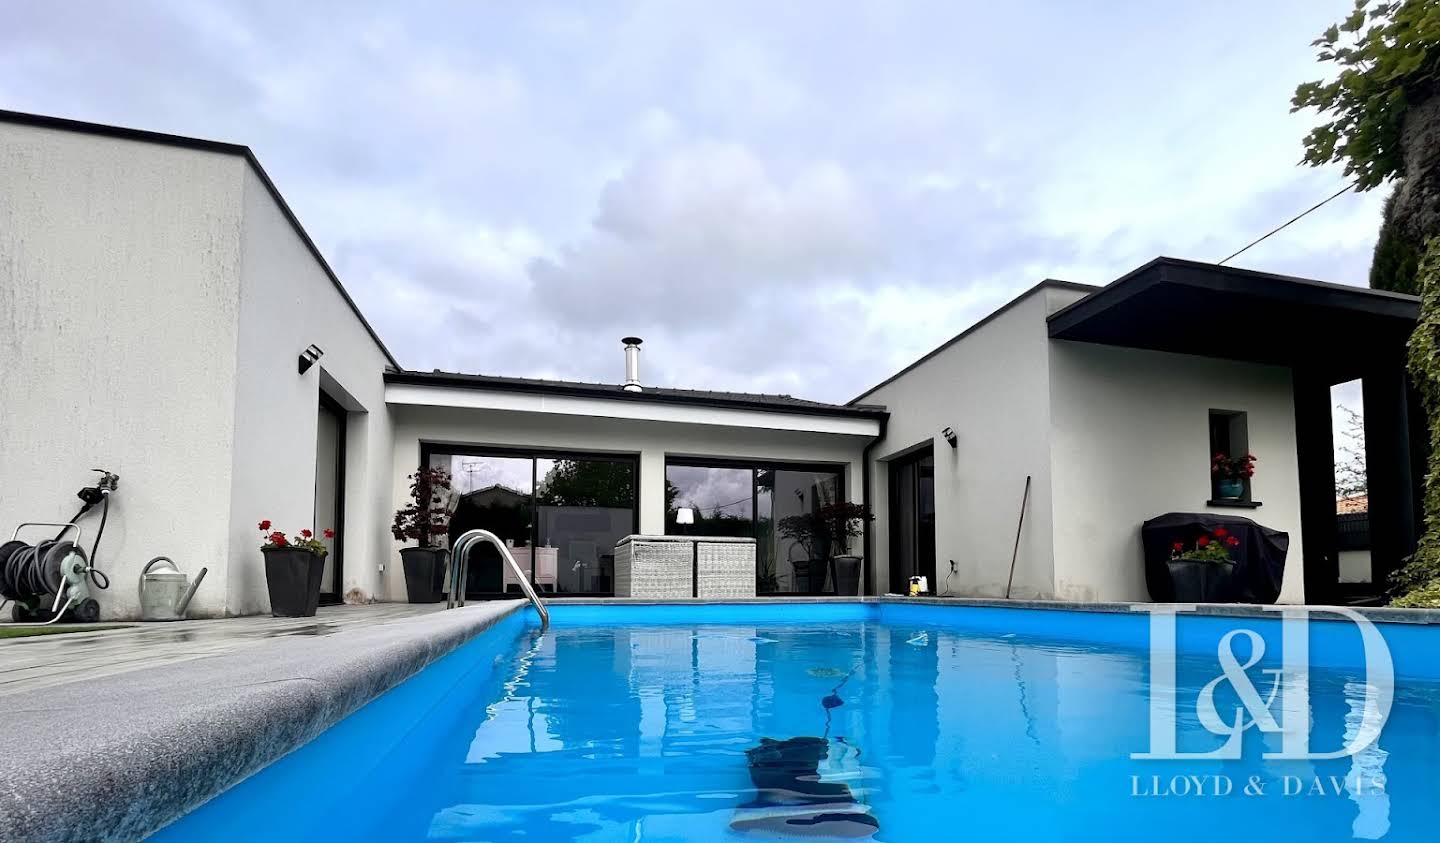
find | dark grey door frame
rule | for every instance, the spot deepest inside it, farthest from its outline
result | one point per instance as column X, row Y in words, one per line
column 337, row 546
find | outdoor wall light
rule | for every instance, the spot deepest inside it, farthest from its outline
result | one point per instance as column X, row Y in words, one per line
column 950, row 437
column 308, row 357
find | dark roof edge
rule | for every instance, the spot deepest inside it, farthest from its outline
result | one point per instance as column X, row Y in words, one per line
column 453, row 380
column 1181, row 263
column 46, row 121
column 1048, row 283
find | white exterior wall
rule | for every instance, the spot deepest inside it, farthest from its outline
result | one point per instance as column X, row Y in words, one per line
column 651, row 441
column 1130, row 441
column 118, row 299
column 153, row 301
column 288, row 302
column 992, row 388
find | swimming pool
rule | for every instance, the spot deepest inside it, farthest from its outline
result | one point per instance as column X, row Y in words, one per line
column 835, row 721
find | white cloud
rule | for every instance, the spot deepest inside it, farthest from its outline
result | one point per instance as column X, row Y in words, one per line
column 689, row 239
column 795, row 197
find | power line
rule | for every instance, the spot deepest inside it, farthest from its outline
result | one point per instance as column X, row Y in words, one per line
column 1317, row 206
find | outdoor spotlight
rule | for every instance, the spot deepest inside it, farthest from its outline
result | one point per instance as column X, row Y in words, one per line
column 308, row 357
column 950, row 437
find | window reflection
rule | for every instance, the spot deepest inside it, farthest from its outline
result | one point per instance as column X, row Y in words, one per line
column 583, row 509
column 778, row 507
column 560, row 516
column 723, row 500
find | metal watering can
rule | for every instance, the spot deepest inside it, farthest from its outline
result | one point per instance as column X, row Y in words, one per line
column 166, row 591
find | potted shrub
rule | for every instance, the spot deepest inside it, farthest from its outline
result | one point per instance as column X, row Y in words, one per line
column 424, row 520
column 292, row 571
column 842, row 523
column 1230, row 474
column 1201, row 572
column 807, row 531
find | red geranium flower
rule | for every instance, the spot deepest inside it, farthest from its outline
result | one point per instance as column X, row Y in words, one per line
column 305, row 534
column 1221, row 532
column 1202, row 541
column 265, row 525
column 1233, row 541
column 1178, row 546
column 329, row 533
column 278, row 539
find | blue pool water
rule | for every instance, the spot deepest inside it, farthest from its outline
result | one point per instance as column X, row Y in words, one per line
column 901, row 723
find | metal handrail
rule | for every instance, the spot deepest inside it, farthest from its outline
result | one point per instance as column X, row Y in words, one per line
column 459, row 571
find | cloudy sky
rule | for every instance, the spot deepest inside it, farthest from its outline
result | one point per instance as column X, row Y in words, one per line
column 783, row 197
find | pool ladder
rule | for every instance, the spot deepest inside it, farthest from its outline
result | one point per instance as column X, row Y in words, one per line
column 458, row 571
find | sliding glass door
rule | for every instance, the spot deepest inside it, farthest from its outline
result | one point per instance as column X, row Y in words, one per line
column 560, row 515
column 583, row 508
column 912, row 520
column 777, row 505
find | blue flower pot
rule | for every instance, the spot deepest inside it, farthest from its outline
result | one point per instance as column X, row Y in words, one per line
column 1230, row 489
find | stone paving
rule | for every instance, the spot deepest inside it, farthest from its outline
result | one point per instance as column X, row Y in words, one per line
column 27, row 664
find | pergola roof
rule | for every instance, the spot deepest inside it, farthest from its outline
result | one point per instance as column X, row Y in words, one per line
column 1188, row 307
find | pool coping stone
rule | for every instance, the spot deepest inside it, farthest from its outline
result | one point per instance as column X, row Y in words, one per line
column 1383, row 614
column 118, row 757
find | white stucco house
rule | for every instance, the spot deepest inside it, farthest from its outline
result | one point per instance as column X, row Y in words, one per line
column 164, row 315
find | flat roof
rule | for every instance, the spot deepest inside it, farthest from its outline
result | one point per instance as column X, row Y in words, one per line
column 766, row 402
column 1189, row 307
column 65, row 124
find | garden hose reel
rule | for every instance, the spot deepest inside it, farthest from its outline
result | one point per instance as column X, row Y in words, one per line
column 31, row 574
column 52, row 578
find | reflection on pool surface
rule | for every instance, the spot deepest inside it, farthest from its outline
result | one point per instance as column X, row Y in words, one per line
column 906, row 729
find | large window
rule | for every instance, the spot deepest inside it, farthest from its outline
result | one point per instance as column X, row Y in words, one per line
column 777, row 505
column 560, row 514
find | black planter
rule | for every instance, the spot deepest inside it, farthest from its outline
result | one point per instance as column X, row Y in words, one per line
column 1197, row 581
column 845, row 572
column 809, row 575
column 424, row 573
column 293, row 578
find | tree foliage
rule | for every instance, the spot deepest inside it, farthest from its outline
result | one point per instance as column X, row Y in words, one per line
column 1418, row 583
column 587, row 483
column 1397, row 255
column 1389, row 61
column 1351, row 478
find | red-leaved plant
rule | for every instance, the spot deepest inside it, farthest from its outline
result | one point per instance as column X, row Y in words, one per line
column 424, row 517
column 306, row 541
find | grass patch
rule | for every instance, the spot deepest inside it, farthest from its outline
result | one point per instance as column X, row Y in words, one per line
column 8, row 631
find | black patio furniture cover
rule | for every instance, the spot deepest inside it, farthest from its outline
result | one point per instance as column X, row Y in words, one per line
column 1259, row 558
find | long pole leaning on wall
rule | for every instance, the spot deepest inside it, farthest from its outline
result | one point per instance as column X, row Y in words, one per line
column 1015, row 554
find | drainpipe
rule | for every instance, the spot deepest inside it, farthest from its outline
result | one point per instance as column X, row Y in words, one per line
column 869, row 560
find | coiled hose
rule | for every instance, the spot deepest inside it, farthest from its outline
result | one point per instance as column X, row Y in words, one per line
column 29, row 571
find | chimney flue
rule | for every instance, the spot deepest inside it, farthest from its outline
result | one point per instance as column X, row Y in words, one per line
column 632, row 364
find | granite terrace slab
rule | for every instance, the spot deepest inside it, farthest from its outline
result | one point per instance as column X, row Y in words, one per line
column 27, row 664
column 117, row 757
